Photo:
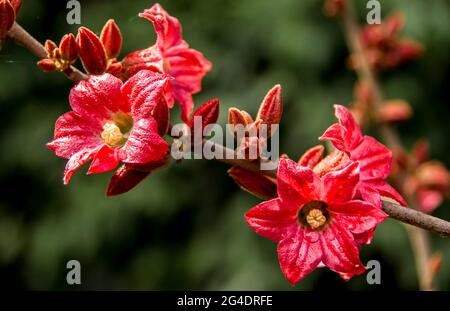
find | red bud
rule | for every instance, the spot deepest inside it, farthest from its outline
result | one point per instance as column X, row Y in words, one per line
column 50, row 46
column 236, row 116
column 254, row 183
column 271, row 108
column 129, row 176
column 395, row 111
column 47, row 65
column 421, row 151
column 91, row 51
column 312, row 157
column 17, row 5
column 209, row 112
column 7, row 18
column 111, row 39
column 69, row 49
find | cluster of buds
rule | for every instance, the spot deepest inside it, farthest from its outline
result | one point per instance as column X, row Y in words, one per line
column 427, row 180
column 383, row 47
column 59, row 58
column 98, row 55
column 9, row 9
column 391, row 111
column 250, row 144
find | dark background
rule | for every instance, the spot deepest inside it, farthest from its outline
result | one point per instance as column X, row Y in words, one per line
column 183, row 228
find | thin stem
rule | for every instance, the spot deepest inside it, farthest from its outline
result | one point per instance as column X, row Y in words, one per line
column 23, row 38
column 419, row 238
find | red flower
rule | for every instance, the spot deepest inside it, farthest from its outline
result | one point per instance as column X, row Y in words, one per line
column 315, row 220
column 171, row 55
column 374, row 158
column 111, row 122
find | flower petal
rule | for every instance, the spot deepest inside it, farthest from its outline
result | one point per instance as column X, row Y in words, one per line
column 144, row 144
column 298, row 256
column 352, row 131
column 270, row 220
column 74, row 134
column 374, row 158
column 147, row 59
column 340, row 186
column 340, row 251
column 76, row 161
column 104, row 160
column 143, row 91
column 296, row 184
column 97, row 98
column 167, row 28
column 346, row 135
column 384, row 189
column 312, row 156
column 357, row 216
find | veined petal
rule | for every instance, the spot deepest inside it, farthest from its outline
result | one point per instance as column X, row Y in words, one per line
column 340, row 186
column 374, row 158
column 357, row 216
column 76, row 161
column 384, row 189
column 167, row 28
column 340, row 250
column 352, row 134
column 296, row 184
column 147, row 59
column 298, row 256
column 144, row 144
column 73, row 134
column 97, row 98
column 270, row 220
column 143, row 91
column 105, row 160
column 312, row 156
column 188, row 66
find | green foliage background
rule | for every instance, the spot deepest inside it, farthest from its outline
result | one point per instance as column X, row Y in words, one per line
column 183, row 228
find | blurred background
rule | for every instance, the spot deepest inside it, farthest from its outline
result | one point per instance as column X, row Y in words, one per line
column 183, row 228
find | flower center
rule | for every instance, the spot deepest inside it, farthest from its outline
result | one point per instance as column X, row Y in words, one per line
column 115, row 132
column 111, row 134
column 314, row 215
column 315, row 218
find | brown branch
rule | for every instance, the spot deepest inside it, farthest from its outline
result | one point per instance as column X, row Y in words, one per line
column 23, row 38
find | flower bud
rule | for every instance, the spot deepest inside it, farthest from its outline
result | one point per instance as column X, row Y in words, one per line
column 395, row 111
column 68, row 48
column 7, row 18
column 271, row 108
column 47, row 65
column 254, row 183
column 111, row 39
column 91, row 51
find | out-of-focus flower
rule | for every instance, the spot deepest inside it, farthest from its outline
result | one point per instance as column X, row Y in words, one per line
column 364, row 110
column 375, row 159
column 316, row 220
column 111, row 122
column 171, row 55
column 427, row 180
column 383, row 46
